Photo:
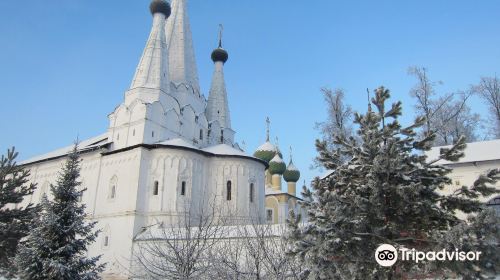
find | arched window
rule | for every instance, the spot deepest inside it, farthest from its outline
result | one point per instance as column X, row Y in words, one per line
column 228, row 190
column 183, row 188
column 155, row 188
column 251, row 192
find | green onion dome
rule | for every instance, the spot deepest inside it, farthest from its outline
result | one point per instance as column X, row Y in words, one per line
column 266, row 152
column 277, row 165
column 160, row 6
column 291, row 174
column 219, row 54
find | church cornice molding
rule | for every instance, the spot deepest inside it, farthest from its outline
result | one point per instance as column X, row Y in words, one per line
column 166, row 146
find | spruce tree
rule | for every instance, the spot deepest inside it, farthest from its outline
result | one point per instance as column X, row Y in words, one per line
column 386, row 193
column 56, row 247
column 14, row 220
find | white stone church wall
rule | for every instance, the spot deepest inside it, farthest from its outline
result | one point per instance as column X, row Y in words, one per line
column 120, row 191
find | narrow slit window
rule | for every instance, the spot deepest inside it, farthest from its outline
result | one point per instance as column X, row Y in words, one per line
column 228, row 190
column 155, row 188
column 106, row 241
column 251, row 192
column 269, row 215
column 183, row 188
column 113, row 192
column 201, row 134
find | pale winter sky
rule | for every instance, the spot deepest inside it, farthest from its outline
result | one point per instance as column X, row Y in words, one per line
column 64, row 65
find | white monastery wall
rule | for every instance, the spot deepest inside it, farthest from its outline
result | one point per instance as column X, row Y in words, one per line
column 466, row 173
column 122, row 197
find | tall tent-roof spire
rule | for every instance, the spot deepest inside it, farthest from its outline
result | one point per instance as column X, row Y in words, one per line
column 268, row 128
column 221, row 28
column 291, row 174
column 267, row 151
column 220, row 54
column 182, row 61
column 369, row 101
column 152, row 71
column 217, row 104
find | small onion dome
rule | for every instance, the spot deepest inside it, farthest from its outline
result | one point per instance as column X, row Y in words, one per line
column 277, row 165
column 266, row 152
column 291, row 174
column 220, row 54
column 160, row 6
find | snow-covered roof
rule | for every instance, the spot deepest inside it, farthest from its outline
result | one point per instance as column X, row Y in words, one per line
column 326, row 174
column 475, row 151
column 177, row 142
column 273, row 191
column 224, row 149
column 268, row 146
column 163, row 232
column 101, row 140
column 277, row 159
column 292, row 167
column 84, row 145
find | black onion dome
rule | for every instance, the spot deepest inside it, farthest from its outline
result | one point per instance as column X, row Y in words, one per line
column 220, row 54
column 160, row 6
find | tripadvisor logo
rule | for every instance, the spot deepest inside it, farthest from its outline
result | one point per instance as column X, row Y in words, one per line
column 387, row 255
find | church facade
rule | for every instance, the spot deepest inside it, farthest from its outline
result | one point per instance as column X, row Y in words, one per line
column 166, row 151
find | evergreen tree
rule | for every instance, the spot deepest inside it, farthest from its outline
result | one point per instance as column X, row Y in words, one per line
column 57, row 244
column 14, row 220
column 386, row 193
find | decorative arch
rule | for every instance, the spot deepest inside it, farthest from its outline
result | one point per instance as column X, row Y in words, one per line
column 172, row 103
column 202, row 120
column 120, row 115
column 173, row 120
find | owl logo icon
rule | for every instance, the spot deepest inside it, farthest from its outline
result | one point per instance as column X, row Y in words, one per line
column 386, row 255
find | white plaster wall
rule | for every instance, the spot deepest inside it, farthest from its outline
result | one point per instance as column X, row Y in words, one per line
column 467, row 173
column 150, row 116
column 134, row 207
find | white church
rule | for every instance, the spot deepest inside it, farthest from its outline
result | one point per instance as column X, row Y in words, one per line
column 166, row 145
